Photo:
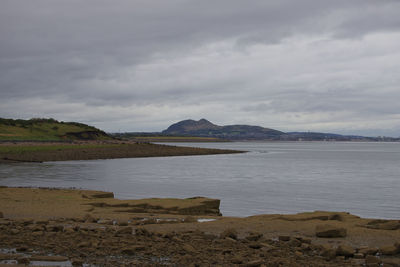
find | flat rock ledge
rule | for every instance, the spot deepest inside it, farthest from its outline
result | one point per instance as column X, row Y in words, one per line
column 330, row 231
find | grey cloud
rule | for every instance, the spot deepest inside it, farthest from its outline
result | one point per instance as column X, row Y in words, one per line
column 181, row 57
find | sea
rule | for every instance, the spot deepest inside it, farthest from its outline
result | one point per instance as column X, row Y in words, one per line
column 270, row 178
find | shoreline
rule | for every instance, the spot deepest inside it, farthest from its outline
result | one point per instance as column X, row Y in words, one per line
column 88, row 226
column 56, row 151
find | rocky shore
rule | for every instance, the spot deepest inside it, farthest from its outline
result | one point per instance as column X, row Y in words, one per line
column 92, row 228
column 90, row 150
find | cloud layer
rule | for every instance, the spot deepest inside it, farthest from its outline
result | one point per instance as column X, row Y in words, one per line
column 142, row 65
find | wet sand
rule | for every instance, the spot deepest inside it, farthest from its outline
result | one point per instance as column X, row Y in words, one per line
column 92, row 227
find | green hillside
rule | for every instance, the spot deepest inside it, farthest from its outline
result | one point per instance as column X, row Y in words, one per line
column 48, row 130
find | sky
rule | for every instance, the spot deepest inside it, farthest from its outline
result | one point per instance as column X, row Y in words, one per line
column 129, row 65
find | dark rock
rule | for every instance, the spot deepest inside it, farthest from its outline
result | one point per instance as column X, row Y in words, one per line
column 103, row 195
column 23, row 260
column 255, row 245
column 1, row 215
column 237, row 260
column 48, row 258
column 142, row 232
column 330, row 231
column 335, row 217
column 77, row 262
column 284, row 238
column 132, row 250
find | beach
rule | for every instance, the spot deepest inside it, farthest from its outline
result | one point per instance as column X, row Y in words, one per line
column 92, row 227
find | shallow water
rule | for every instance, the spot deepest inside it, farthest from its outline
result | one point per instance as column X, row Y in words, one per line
column 274, row 177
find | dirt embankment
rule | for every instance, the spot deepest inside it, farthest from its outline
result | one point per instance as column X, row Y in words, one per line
column 83, row 226
column 39, row 152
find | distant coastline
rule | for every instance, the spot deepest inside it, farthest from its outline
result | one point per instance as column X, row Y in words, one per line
column 205, row 131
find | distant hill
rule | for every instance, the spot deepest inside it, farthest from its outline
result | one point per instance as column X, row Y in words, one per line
column 204, row 128
column 48, row 130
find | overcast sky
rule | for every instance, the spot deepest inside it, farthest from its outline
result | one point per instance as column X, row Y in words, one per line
column 126, row 65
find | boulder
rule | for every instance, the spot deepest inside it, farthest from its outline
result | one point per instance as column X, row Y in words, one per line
column 344, row 250
column 330, row 231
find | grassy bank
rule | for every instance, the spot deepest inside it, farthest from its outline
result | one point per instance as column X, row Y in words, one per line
column 48, row 130
column 89, row 151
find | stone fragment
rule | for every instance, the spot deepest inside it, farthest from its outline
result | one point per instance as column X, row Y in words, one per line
column 372, row 260
column 254, row 236
column 298, row 253
column 295, row 242
column 189, row 219
column 89, row 219
column 358, row 255
column 390, row 250
column 254, row 263
column 14, row 231
column 237, row 260
column 367, row 250
column 132, row 250
column 330, row 231
column 231, row 233
column 23, row 260
column 390, row 225
column 103, row 195
column 328, row 252
column 284, row 238
column 37, row 233
column 145, row 232
column 124, row 230
column 76, row 262
column 189, row 248
column 344, row 250
column 48, row 258
column 255, row 245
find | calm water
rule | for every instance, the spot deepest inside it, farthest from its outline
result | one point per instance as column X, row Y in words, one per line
column 361, row 178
